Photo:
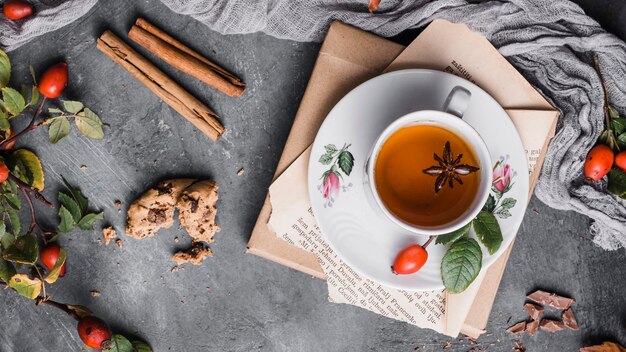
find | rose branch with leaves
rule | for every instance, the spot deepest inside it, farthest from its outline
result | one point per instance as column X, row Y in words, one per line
column 462, row 262
column 22, row 261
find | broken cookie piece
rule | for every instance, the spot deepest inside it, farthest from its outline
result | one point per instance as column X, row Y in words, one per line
column 154, row 210
column 109, row 234
column 194, row 255
column 197, row 210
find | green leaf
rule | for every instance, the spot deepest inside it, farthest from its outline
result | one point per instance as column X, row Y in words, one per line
column 13, row 199
column 621, row 140
column 81, row 311
column 7, row 238
column 26, row 166
column 619, row 125
column 59, row 129
column 346, row 162
column 70, row 204
column 326, row 158
column 330, row 148
column 503, row 213
column 25, row 286
column 67, row 221
column 54, row 111
column 490, row 204
column 7, row 270
column 488, row 231
column 117, row 343
column 86, row 223
column 141, row 346
column 454, row 235
column 31, row 69
column 73, row 106
column 508, row 203
column 14, row 219
column 613, row 113
column 56, row 270
column 78, row 196
column 5, row 125
column 617, row 182
column 34, row 96
column 5, row 69
column 461, row 264
column 13, row 101
column 24, row 250
column 89, row 124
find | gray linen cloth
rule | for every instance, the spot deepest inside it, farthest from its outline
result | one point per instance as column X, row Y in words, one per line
column 549, row 42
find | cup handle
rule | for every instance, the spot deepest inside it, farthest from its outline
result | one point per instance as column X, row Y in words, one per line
column 457, row 101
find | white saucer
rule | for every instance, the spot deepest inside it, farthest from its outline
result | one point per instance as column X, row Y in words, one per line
column 354, row 227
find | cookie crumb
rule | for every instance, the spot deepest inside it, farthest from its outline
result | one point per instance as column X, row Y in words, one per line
column 176, row 239
column 94, row 293
column 99, row 242
column 118, row 205
column 118, row 242
column 174, row 269
column 109, row 234
column 241, row 171
column 83, row 167
column 194, row 255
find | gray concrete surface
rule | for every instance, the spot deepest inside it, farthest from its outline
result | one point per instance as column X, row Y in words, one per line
column 238, row 302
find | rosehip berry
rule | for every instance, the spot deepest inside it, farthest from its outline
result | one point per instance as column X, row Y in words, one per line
column 620, row 160
column 598, row 162
column 53, row 82
column 4, row 172
column 93, row 331
column 17, row 9
column 49, row 256
column 410, row 260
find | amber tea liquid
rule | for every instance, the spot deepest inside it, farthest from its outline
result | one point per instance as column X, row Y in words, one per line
column 407, row 192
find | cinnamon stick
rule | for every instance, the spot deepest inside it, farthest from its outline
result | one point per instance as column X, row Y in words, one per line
column 184, row 58
column 201, row 116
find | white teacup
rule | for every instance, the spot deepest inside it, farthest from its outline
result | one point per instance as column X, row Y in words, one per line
column 450, row 119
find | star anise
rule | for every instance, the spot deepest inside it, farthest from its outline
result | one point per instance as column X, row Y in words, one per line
column 449, row 170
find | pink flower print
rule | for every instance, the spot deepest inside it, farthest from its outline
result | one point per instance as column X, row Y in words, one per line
column 331, row 185
column 502, row 177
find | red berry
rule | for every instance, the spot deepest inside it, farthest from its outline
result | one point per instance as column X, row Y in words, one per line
column 4, row 172
column 410, row 260
column 17, row 9
column 49, row 256
column 598, row 162
column 93, row 331
column 620, row 160
column 53, row 82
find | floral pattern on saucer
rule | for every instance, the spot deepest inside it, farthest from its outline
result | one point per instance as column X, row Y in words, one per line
column 340, row 161
column 503, row 176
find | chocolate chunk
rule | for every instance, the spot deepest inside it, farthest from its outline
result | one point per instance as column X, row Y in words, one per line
column 156, row 216
column 164, row 188
column 535, row 311
column 551, row 299
column 569, row 320
column 551, row 325
column 518, row 328
column 532, row 326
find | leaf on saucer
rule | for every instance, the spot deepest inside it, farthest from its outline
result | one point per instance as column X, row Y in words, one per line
column 461, row 264
column 326, row 158
column 346, row 162
column 454, row 235
column 488, row 231
column 490, row 204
